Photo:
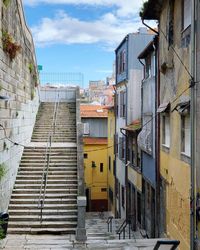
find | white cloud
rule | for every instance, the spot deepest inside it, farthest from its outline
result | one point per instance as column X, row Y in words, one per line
column 124, row 7
column 108, row 30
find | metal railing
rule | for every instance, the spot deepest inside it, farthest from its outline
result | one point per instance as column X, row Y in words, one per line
column 109, row 222
column 122, row 228
column 42, row 195
column 173, row 244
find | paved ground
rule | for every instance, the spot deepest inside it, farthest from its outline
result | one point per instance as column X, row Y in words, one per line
column 98, row 239
column 53, row 242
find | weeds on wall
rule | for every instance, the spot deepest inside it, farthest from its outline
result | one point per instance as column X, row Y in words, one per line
column 9, row 46
column 6, row 2
column 5, row 146
column 2, row 170
column 32, row 94
column 31, row 68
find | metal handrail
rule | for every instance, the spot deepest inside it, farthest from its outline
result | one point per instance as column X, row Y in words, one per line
column 109, row 222
column 122, row 228
column 44, row 179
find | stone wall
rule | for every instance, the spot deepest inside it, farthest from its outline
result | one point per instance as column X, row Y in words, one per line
column 19, row 85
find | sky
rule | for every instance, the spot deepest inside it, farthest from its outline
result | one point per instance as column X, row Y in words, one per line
column 80, row 36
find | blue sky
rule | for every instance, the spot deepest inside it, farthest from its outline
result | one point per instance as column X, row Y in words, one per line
column 80, row 35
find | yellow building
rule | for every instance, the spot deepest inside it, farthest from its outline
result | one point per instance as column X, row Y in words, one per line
column 94, row 118
column 111, row 160
column 174, row 50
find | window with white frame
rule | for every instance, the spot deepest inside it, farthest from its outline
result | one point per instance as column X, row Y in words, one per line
column 86, row 128
column 185, row 134
column 166, row 130
column 186, row 13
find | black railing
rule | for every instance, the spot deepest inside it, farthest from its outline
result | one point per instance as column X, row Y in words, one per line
column 109, row 222
column 122, row 228
column 173, row 243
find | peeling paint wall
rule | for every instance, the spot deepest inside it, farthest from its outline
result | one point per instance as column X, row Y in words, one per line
column 174, row 169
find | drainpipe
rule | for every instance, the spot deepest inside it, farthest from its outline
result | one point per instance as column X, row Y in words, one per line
column 157, row 139
column 193, row 235
column 155, row 31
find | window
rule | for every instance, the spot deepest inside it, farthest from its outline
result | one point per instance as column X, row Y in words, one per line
column 116, row 187
column 86, row 128
column 185, row 134
column 116, row 144
column 186, row 14
column 114, row 168
column 122, row 148
column 166, row 130
column 123, row 197
column 122, row 104
column 121, row 62
column 101, row 167
column 124, row 61
column 171, row 23
column 148, row 66
column 110, row 193
column 85, row 156
column 116, row 105
column 109, row 163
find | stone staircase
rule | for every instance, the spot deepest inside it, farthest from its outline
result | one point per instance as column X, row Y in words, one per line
column 65, row 130
column 60, row 206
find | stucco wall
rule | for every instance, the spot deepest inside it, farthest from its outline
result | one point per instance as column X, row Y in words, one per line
column 18, row 113
column 175, row 171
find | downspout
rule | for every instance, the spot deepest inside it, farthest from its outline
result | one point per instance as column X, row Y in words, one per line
column 142, row 196
column 150, row 27
column 157, row 139
column 126, row 137
column 193, row 235
column 116, row 115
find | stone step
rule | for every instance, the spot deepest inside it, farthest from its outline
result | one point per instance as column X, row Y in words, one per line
column 50, row 177
column 47, row 201
column 53, row 157
column 49, row 207
column 49, row 182
column 61, row 141
column 53, row 149
column 47, row 196
column 45, row 218
column 48, row 191
column 51, row 174
column 52, row 168
column 48, row 186
column 51, row 164
column 52, row 230
column 52, row 160
column 46, row 212
column 44, row 224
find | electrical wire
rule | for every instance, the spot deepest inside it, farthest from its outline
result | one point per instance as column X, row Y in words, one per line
column 176, row 53
column 6, row 137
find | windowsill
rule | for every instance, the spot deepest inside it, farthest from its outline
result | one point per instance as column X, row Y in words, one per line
column 165, row 148
column 186, row 37
column 137, row 169
column 185, row 158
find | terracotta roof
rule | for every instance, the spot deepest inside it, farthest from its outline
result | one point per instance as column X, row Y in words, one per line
column 89, row 140
column 134, row 126
column 96, row 111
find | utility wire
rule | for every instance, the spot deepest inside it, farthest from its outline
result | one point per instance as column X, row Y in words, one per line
column 176, row 53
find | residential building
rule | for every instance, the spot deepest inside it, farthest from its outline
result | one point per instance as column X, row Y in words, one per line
column 111, row 159
column 174, row 83
column 94, row 118
column 128, row 105
column 147, row 138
